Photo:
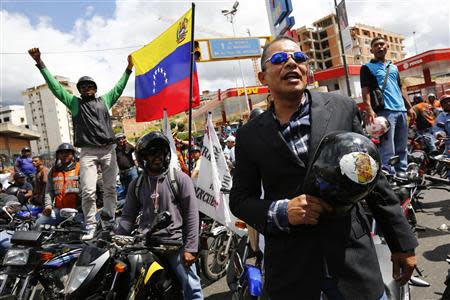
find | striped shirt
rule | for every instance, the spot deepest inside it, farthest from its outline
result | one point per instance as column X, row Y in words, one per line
column 296, row 134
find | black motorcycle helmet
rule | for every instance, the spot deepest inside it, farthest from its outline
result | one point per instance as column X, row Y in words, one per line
column 16, row 192
column 150, row 140
column 66, row 146
column 196, row 148
column 254, row 113
column 19, row 175
column 85, row 79
column 344, row 170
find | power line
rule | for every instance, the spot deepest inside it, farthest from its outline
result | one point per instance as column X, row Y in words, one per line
column 78, row 51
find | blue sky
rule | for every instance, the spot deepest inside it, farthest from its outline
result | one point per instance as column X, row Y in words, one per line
column 62, row 13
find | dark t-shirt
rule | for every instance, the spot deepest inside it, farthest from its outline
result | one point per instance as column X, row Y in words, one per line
column 40, row 183
column 125, row 157
column 24, row 187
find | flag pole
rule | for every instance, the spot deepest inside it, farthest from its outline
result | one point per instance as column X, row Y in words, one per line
column 191, row 87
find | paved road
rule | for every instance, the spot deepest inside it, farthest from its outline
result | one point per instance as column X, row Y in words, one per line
column 431, row 253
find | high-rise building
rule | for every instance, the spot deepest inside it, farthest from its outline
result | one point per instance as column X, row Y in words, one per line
column 51, row 117
column 321, row 43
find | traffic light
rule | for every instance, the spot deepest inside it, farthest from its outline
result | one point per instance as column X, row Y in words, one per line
column 197, row 51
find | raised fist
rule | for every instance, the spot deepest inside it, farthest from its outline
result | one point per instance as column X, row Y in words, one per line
column 35, row 54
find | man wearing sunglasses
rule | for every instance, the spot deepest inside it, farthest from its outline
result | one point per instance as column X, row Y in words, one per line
column 307, row 252
column 93, row 134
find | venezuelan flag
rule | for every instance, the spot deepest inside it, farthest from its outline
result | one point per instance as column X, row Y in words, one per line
column 163, row 73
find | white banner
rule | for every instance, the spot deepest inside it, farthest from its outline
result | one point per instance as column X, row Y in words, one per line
column 347, row 39
column 173, row 149
column 213, row 180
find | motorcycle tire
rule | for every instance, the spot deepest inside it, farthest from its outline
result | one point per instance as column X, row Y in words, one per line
column 214, row 261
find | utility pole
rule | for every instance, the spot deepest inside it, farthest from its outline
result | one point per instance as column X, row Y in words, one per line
column 344, row 59
column 229, row 14
column 414, row 38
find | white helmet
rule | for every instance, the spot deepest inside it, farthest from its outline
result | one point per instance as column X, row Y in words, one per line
column 378, row 128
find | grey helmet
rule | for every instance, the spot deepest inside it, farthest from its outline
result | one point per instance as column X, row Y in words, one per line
column 85, row 79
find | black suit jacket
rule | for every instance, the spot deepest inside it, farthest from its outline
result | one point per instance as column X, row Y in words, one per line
column 294, row 261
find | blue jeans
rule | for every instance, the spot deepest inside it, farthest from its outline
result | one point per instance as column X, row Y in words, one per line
column 394, row 142
column 189, row 280
column 127, row 177
column 55, row 218
column 5, row 240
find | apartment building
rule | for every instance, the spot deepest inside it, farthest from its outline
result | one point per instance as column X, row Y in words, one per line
column 49, row 115
column 13, row 114
column 321, row 43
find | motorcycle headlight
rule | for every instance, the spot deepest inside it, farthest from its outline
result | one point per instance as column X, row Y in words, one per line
column 76, row 278
column 16, row 257
column 412, row 169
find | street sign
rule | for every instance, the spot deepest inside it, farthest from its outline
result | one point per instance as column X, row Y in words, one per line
column 234, row 48
column 279, row 10
column 285, row 25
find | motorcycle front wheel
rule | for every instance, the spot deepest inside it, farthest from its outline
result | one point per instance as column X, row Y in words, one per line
column 214, row 261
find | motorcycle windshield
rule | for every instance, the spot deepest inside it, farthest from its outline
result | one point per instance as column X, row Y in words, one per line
column 89, row 254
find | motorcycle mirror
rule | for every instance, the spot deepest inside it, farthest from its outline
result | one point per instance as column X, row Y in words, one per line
column 415, row 281
column 440, row 125
column 162, row 220
column 67, row 213
column 394, row 160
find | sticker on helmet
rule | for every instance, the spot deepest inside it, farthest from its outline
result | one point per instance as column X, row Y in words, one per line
column 359, row 167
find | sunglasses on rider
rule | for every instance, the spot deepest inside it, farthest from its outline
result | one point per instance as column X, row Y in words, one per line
column 87, row 85
column 281, row 57
column 155, row 151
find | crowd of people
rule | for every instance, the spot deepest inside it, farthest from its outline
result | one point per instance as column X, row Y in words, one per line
column 309, row 249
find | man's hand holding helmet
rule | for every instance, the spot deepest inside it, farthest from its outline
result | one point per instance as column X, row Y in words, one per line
column 306, row 209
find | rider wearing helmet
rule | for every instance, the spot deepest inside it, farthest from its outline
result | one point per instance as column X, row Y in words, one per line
column 159, row 189
column 435, row 103
column 93, row 133
column 63, row 187
column 443, row 120
column 25, row 188
column 425, row 118
column 196, row 161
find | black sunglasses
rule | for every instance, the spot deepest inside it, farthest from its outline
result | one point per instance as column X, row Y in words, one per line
column 281, row 57
column 87, row 85
column 154, row 151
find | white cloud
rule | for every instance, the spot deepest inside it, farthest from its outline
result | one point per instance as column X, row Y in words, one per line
column 89, row 10
column 137, row 23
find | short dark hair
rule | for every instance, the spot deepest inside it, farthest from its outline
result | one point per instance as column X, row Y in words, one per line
column 266, row 47
column 375, row 39
column 38, row 156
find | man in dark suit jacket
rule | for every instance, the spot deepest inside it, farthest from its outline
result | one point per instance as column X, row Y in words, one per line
column 306, row 253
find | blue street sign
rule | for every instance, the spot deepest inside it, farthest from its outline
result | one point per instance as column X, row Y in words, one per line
column 285, row 25
column 229, row 48
column 280, row 9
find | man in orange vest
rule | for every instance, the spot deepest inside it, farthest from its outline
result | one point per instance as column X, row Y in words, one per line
column 63, row 187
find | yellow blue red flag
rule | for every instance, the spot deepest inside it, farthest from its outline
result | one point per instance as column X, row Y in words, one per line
column 163, row 73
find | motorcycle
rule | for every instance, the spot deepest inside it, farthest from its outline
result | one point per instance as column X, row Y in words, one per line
column 217, row 244
column 124, row 267
column 32, row 260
